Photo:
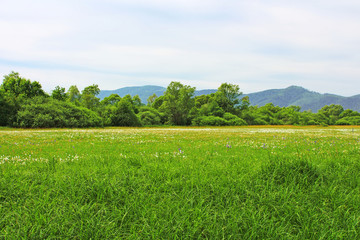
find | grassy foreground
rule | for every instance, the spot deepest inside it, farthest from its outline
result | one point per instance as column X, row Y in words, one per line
column 180, row 183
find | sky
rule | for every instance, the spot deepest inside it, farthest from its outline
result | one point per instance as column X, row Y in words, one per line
column 256, row 44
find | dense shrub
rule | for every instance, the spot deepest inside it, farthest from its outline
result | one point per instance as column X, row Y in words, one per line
column 259, row 121
column 123, row 115
column 354, row 120
column 312, row 122
column 150, row 116
column 237, row 122
column 209, row 121
column 48, row 112
column 234, row 120
column 6, row 110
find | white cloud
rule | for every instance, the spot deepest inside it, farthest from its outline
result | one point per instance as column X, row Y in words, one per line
column 256, row 44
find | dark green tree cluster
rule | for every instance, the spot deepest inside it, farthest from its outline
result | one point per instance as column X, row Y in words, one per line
column 23, row 103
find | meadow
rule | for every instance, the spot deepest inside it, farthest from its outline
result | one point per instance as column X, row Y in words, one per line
column 180, row 183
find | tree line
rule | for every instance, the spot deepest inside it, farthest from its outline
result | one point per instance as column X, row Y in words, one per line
column 23, row 103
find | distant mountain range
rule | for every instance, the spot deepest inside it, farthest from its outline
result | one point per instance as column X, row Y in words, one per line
column 144, row 92
column 293, row 95
column 302, row 97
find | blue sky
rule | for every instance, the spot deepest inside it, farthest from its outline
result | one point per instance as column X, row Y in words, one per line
column 256, row 44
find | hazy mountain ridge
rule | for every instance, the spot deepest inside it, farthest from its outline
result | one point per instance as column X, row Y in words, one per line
column 293, row 95
column 307, row 100
column 143, row 91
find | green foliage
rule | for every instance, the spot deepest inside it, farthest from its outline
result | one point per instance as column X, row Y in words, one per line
column 113, row 99
column 88, row 97
column 209, row 121
column 158, row 102
column 227, row 97
column 176, row 107
column 150, row 116
column 331, row 113
column 321, row 119
column 234, row 120
column 47, row 113
column 137, row 101
column 268, row 113
column 307, row 118
column 349, row 113
column 151, row 99
column 7, row 110
column 289, row 115
column 74, row 95
column 203, row 99
column 211, row 109
column 59, row 93
column 351, row 120
column 123, row 114
column 178, row 101
column 18, row 87
column 14, row 91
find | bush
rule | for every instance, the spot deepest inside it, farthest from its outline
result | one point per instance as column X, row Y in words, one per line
column 312, row 122
column 124, row 115
column 260, row 121
column 209, row 121
column 149, row 116
column 229, row 116
column 234, row 120
column 354, row 120
column 237, row 122
column 7, row 111
column 48, row 112
column 342, row 122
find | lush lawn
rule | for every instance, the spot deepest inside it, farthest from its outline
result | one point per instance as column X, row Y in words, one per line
column 180, row 183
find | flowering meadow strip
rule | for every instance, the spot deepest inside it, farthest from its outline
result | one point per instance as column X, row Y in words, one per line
column 29, row 159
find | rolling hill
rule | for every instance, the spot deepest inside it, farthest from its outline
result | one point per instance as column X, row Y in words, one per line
column 143, row 91
column 293, row 95
column 302, row 97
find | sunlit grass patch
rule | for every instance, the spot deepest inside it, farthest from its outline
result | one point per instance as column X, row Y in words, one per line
column 186, row 182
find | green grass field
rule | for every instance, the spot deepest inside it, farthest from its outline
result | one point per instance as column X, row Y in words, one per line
column 180, row 183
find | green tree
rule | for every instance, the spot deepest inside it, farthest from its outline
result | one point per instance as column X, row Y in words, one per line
column 203, row 99
column 245, row 103
column 151, row 100
column 351, row 120
column 6, row 110
column 124, row 115
column 158, row 102
column 178, row 100
column 307, row 118
column 88, row 97
column 234, row 120
column 268, row 113
column 211, row 109
column 16, row 86
column 74, row 95
column 349, row 113
column 209, row 121
column 59, row 93
column 136, row 101
column 150, row 116
column 288, row 115
column 331, row 112
column 14, row 91
column 40, row 112
column 111, row 100
column 227, row 97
